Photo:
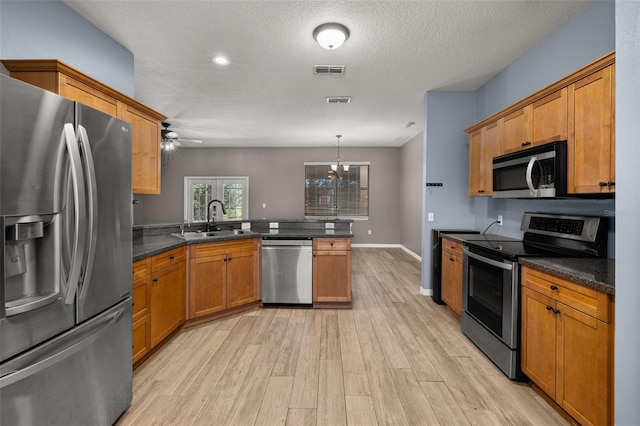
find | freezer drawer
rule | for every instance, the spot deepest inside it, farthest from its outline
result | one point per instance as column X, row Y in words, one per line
column 83, row 377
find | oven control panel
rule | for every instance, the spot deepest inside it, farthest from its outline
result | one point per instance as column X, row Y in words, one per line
column 557, row 225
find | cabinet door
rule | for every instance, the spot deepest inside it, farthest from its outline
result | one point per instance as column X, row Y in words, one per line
column 207, row 285
column 78, row 91
column 491, row 148
column 538, row 329
column 516, row 131
column 141, row 338
column 242, row 287
column 167, row 301
column 146, row 150
column 476, row 184
column 332, row 276
column 549, row 118
column 590, row 141
column 448, row 278
column 585, row 367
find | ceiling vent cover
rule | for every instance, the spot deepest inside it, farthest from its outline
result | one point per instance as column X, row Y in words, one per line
column 338, row 99
column 329, row 69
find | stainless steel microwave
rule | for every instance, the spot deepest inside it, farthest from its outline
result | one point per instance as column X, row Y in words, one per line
column 538, row 172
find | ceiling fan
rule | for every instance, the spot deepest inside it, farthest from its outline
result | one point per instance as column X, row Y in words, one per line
column 170, row 139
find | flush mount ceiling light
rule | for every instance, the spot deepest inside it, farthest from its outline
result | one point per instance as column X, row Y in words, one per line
column 331, row 35
column 220, row 60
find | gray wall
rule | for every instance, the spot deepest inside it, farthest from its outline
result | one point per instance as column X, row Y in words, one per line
column 447, row 114
column 627, row 343
column 52, row 30
column 276, row 178
column 411, row 194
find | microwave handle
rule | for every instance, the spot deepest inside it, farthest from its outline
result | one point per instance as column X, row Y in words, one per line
column 529, row 177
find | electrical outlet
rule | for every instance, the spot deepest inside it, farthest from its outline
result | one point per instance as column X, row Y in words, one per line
column 430, row 217
column 369, row 232
column 499, row 219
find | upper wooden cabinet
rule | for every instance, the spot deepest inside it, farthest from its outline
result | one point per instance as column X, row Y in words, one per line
column 580, row 109
column 549, row 118
column 591, row 146
column 517, row 130
column 484, row 144
column 57, row 77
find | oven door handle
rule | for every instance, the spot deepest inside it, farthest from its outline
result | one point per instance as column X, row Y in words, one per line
column 491, row 262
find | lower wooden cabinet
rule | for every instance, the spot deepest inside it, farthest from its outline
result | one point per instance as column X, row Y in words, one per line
column 567, row 345
column 141, row 299
column 451, row 279
column 158, row 299
column 223, row 276
column 331, row 271
column 167, row 301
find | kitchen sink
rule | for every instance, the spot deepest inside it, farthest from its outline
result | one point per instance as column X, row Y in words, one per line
column 200, row 234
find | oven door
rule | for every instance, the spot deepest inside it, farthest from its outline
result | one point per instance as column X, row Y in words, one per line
column 490, row 294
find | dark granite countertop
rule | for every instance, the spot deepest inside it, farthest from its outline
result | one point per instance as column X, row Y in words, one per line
column 150, row 245
column 598, row 274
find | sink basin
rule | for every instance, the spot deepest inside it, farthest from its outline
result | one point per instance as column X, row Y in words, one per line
column 199, row 234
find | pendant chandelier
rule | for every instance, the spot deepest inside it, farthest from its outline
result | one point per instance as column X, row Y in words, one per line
column 339, row 170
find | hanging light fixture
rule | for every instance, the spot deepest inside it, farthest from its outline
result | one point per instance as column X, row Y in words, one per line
column 338, row 169
column 331, row 35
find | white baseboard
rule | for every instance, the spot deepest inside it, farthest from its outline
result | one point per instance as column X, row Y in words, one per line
column 418, row 258
column 426, row 291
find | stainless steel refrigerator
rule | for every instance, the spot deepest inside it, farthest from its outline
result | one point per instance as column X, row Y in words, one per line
column 65, row 296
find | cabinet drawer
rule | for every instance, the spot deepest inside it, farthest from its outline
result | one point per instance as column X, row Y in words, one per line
column 141, row 268
column 577, row 296
column 168, row 258
column 328, row 244
column 452, row 245
column 216, row 249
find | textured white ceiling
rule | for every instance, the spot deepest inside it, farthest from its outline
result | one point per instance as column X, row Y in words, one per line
column 269, row 96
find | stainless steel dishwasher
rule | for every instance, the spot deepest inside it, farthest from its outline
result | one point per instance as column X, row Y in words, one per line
column 287, row 271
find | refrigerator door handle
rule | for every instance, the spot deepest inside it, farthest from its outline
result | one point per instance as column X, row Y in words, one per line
column 92, row 207
column 37, row 366
column 80, row 220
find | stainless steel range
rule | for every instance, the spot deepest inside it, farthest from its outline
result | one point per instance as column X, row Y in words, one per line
column 491, row 278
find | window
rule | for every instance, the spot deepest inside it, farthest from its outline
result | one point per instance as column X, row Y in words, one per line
column 327, row 195
column 233, row 192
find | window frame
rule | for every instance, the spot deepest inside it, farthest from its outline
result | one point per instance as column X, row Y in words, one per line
column 218, row 193
column 334, row 163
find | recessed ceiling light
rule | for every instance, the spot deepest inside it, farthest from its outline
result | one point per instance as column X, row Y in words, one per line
column 220, row 60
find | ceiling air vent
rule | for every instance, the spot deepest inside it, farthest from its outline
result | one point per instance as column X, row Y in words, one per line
column 338, row 99
column 329, row 69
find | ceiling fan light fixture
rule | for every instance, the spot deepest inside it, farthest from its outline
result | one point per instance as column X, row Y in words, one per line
column 331, row 35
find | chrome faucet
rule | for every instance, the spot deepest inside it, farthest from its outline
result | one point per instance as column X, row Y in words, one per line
column 211, row 220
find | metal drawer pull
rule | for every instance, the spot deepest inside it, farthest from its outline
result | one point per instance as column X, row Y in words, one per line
column 553, row 287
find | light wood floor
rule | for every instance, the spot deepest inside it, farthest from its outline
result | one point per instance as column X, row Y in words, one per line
column 397, row 358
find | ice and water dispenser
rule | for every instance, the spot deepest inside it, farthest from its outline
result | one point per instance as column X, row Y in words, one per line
column 31, row 262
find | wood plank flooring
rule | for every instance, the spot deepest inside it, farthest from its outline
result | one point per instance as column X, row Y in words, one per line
column 397, row 358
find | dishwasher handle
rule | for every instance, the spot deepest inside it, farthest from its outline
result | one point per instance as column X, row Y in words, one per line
column 280, row 242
